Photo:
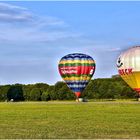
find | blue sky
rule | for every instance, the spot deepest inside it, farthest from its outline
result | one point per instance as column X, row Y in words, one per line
column 35, row 35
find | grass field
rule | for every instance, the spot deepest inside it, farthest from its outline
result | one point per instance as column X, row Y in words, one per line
column 70, row 120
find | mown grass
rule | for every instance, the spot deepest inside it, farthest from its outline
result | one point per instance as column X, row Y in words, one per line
column 40, row 120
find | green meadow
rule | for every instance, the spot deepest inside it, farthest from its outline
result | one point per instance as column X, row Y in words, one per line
column 60, row 119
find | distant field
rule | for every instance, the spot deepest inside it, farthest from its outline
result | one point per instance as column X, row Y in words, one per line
column 70, row 120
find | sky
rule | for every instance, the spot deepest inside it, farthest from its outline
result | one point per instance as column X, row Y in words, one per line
column 35, row 35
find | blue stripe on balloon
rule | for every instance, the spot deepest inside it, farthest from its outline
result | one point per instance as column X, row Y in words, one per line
column 77, row 89
column 78, row 81
column 77, row 86
column 76, row 56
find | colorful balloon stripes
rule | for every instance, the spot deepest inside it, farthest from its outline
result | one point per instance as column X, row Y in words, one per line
column 76, row 69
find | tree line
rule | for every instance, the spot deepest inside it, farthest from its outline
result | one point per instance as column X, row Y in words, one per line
column 103, row 88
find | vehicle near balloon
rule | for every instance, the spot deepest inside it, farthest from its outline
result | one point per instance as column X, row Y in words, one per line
column 128, row 64
column 76, row 69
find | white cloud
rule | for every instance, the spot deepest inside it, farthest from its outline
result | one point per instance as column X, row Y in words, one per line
column 114, row 49
column 5, row 6
column 12, row 13
column 19, row 24
column 16, row 18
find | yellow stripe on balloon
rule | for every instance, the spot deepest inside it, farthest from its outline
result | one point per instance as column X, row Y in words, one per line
column 77, row 61
column 76, row 78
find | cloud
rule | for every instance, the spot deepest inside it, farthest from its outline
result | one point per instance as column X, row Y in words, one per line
column 116, row 49
column 24, row 17
column 19, row 24
column 5, row 7
column 12, row 13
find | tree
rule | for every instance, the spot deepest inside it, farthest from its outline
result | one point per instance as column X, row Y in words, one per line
column 55, row 89
column 45, row 96
column 3, row 92
column 26, row 92
column 43, row 87
column 51, row 92
column 89, row 91
column 15, row 92
column 62, row 93
column 35, row 94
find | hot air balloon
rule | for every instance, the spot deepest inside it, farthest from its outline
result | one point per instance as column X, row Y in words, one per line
column 128, row 64
column 76, row 70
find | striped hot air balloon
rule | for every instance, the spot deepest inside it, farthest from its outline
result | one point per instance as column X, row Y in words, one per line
column 128, row 64
column 76, row 70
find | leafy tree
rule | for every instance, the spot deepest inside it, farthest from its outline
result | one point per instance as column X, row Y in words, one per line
column 15, row 92
column 70, row 95
column 45, row 96
column 62, row 92
column 43, row 87
column 51, row 92
column 35, row 94
column 3, row 92
column 57, row 87
column 26, row 92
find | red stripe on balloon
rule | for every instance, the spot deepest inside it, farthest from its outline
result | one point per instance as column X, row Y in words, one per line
column 76, row 70
column 137, row 89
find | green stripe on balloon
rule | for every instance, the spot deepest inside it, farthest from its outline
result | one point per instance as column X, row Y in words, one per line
column 75, row 75
column 77, row 64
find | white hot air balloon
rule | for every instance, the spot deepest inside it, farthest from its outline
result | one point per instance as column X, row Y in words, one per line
column 128, row 64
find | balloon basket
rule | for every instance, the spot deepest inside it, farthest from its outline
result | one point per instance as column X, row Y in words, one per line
column 81, row 100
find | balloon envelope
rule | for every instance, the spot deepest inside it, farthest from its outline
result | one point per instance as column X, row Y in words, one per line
column 76, row 69
column 128, row 65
